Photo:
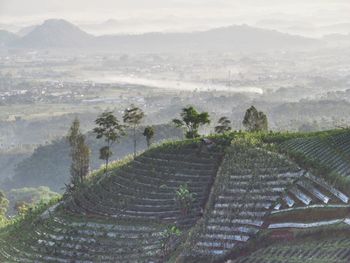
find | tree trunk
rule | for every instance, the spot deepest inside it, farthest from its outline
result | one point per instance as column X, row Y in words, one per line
column 106, row 165
column 134, row 141
column 107, row 157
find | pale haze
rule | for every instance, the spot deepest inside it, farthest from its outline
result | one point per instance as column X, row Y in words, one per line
column 138, row 16
column 187, row 131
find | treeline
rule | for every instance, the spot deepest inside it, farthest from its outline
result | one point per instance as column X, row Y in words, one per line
column 49, row 165
column 66, row 162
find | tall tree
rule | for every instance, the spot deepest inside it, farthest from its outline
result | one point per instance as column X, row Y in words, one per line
column 4, row 203
column 255, row 120
column 80, row 153
column 133, row 117
column 148, row 133
column 224, row 125
column 191, row 120
column 109, row 128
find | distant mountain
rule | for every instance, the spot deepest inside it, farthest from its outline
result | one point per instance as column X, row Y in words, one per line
column 9, row 27
column 26, row 30
column 337, row 40
column 62, row 34
column 110, row 26
column 340, row 28
column 55, row 33
column 6, row 37
column 232, row 38
column 304, row 28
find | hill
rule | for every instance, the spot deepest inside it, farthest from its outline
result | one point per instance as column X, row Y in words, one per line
column 6, row 38
column 328, row 152
column 253, row 201
column 58, row 33
column 49, row 164
column 26, row 30
column 54, row 33
column 28, row 196
column 241, row 38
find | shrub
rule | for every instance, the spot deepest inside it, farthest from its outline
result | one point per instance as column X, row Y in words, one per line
column 184, row 199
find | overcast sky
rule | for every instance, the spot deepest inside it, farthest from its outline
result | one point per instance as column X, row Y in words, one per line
column 176, row 12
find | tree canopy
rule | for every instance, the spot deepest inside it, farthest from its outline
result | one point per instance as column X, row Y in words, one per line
column 133, row 117
column 224, row 125
column 255, row 120
column 191, row 120
column 111, row 130
column 4, row 203
column 80, row 154
column 148, row 133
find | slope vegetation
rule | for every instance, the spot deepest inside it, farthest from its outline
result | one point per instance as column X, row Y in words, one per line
column 331, row 151
column 335, row 248
column 249, row 182
column 250, row 204
column 121, row 217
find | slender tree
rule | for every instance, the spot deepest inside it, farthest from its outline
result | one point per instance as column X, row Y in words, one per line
column 109, row 128
column 255, row 120
column 148, row 133
column 224, row 125
column 4, row 203
column 80, row 154
column 191, row 120
column 133, row 117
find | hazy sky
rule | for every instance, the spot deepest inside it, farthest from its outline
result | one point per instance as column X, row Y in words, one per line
column 176, row 13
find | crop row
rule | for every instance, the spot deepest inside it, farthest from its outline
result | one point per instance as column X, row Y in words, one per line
column 332, row 250
column 146, row 188
column 249, row 182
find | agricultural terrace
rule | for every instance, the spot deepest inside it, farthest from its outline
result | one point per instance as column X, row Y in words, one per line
column 189, row 202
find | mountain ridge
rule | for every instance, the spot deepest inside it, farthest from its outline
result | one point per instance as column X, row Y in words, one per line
column 59, row 33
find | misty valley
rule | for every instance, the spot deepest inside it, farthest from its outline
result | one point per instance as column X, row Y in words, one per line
column 205, row 140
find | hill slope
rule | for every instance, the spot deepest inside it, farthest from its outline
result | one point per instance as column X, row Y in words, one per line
column 54, row 33
column 122, row 217
column 49, row 164
column 6, row 38
column 239, row 38
column 332, row 151
column 247, row 198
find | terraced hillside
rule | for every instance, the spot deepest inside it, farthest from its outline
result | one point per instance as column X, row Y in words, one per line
column 250, row 205
column 145, row 188
column 324, row 250
column 332, row 151
column 122, row 217
column 249, row 183
column 64, row 238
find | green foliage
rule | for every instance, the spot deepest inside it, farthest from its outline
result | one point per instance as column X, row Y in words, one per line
column 149, row 134
column 29, row 196
column 255, row 120
column 80, row 154
column 4, row 203
column 184, row 199
column 133, row 117
column 109, row 128
column 105, row 153
column 223, row 125
column 49, row 164
column 170, row 236
column 312, row 161
column 171, row 231
column 23, row 223
column 191, row 120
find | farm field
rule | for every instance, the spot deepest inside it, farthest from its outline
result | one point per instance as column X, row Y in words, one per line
column 251, row 202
